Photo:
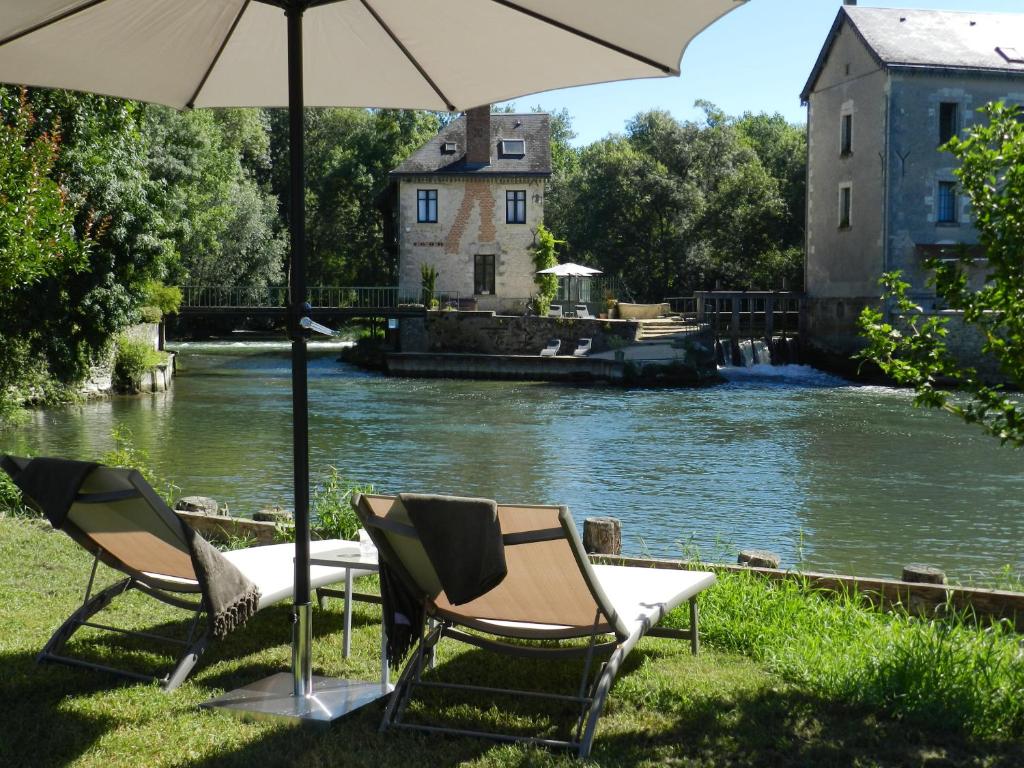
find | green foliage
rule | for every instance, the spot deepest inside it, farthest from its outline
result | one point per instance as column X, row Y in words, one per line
column 946, row 672
column 126, row 454
column 911, row 346
column 428, row 283
column 11, row 502
column 675, row 207
column 132, row 358
column 349, row 153
column 331, row 507
column 166, row 298
column 37, row 228
column 544, row 257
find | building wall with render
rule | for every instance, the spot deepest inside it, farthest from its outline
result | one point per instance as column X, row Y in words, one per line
column 470, row 221
column 894, row 171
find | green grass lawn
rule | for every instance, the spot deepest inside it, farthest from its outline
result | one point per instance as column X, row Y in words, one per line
column 786, row 677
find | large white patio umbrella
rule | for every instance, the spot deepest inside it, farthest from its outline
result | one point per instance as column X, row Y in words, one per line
column 569, row 271
column 442, row 55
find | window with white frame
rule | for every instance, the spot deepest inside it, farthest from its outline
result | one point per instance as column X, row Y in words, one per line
column 845, row 205
column 426, row 206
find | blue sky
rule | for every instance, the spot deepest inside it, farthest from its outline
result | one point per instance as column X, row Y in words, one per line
column 756, row 59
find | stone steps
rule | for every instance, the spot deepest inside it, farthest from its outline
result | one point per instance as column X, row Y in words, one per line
column 664, row 328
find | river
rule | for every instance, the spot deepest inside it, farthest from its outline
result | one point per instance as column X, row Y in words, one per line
column 830, row 475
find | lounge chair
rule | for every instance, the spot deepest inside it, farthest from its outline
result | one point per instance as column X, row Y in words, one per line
column 118, row 518
column 550, row 592
column 555, row 310
column 582, row 348
column 583, row 313
column 552, row 348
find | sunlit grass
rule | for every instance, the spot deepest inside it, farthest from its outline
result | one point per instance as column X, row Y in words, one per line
column 786, row 677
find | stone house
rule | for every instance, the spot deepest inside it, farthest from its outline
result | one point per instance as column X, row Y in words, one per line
column 468, row 203
column 890, row 86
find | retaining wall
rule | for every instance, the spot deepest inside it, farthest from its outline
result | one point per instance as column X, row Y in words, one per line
column 490, row 334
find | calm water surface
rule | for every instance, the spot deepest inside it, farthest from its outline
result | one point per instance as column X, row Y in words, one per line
column 835, row 476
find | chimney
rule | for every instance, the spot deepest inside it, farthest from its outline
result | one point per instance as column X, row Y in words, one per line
column 849, row 2
column 478, row 135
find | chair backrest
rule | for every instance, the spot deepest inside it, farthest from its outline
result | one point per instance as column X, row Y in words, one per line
column 583, row 347
column 549, row 581
column 118, row 514
column 555, row 310
column 582, row 311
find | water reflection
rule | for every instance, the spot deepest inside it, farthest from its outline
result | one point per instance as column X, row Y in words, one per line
column 771, row 459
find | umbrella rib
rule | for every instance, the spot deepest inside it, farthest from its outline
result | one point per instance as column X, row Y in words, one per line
column 587, row 36
column 223, row 44
column 408, row 55
column 50, row 22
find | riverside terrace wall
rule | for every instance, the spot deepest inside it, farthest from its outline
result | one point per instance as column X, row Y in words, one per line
column 486, row 333
column 923, row 599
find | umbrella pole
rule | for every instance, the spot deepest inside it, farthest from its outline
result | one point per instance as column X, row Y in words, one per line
column 302, row 627
column 298, row 696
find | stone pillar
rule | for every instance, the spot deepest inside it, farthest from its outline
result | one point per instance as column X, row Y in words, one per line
column 602, row 536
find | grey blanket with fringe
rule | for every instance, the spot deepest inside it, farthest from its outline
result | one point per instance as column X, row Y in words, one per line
column 51, row 485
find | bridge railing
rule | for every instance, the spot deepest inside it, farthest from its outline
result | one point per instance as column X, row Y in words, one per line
column 319, row 297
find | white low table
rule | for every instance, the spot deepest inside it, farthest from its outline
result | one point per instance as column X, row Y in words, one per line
column 353, row 562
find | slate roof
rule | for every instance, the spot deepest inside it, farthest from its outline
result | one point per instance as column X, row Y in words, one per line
column 952, row 40
column 534, row 128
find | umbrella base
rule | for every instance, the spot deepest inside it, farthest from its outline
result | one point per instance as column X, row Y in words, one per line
column 273, row 698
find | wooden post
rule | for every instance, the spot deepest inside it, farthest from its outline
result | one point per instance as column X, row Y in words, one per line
column 923, row 574
column 602, row 536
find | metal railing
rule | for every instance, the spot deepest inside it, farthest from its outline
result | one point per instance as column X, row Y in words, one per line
column 750, row 314
column 318, row 296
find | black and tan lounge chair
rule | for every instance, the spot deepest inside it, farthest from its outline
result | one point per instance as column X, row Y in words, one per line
column 551, row 592
column 119, row 519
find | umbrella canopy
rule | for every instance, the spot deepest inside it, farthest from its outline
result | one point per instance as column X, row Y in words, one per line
column 569, row 270
column 414, row 54
column 421, row 54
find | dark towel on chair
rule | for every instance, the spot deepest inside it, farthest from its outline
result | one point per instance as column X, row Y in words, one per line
column 403, row 615
column 462, row 538
column 230, row 598
column 50, row 484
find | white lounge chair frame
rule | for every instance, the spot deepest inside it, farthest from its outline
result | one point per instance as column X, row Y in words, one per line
column 552, row 348
column 582, row 348
column 555, row 310
column 583, row 313
column 598, row 591
column 124, row 524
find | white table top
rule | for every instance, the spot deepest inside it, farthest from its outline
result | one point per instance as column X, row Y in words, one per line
column 346, row 558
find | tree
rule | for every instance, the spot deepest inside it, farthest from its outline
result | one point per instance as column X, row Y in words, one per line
column 912, row 348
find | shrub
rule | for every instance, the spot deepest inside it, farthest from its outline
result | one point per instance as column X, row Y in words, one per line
column 165, row 298
column 331, row 507
column 149, row 314
column 131, row 360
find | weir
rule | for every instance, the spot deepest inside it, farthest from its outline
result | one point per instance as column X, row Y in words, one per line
column 752, row 327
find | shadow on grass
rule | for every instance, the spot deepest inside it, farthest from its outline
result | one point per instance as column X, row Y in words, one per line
column 788, row 728
column 36, row 730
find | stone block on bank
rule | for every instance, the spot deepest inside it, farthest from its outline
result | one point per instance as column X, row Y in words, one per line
column 201, row 505
column 758, row 558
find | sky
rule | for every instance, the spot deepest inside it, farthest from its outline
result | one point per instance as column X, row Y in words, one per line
column 757, row 59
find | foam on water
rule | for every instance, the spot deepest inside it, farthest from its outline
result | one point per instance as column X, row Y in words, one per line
column 798, row 375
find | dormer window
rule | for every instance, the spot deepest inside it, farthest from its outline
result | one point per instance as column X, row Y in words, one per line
column 513, row 147
column 448, row 148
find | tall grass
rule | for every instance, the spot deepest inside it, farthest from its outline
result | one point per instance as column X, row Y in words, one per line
column 946, row 672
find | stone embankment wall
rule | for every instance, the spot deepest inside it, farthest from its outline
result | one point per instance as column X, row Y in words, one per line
column 486, row 333
column 99, row 382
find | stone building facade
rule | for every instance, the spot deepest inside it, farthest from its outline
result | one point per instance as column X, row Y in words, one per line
column 888, row 89
column 469, row 203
